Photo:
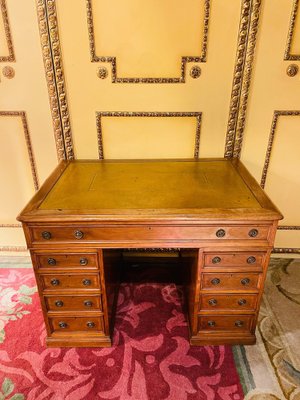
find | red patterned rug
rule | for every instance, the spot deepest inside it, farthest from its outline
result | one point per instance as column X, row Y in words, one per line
column 151, row 357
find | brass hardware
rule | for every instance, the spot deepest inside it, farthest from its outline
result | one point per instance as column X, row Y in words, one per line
column 216, row 260
column 90, row 324
column 215, row 281
column 292, row 70
column 195, row 72
column 251, row 260
column 253, row 233
column 242, row 302
column 51, row 261
column 46, row 235
column 78, row 234
column 8, row 72
column 245, row 281
column 62, row 325
column 102, row 73
column 211, row 323
column 212, row 302
column 83, row 261
column 220, row 233
column 54, row 282
column 86, row 282
column 88, row 303
column 59, row 303
column 239, row 323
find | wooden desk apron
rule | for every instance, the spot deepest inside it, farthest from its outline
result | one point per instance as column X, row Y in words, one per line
column 88, row 211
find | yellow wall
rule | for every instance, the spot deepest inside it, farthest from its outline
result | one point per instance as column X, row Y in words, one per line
column 121, row 85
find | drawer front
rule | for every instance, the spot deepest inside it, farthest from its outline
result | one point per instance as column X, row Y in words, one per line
column 71, row 281
column 228, row 323
column 147, row 232
column 249, row 260
column 70, row 303
column 75, row 324
column 237, row 302
column 230, row 281
column 54, row 261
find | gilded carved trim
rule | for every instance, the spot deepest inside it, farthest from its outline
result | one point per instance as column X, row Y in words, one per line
column 17, row 249
column 289, row 227
column 287, row 53
column 113, row 61
column 47, row 20
column 249, row 23
column 10, row 226
column 11, row 53
column 22, row 114
column 288, row 250
column 99, row 115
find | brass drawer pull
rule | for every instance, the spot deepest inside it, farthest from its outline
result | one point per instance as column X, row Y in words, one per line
column 88, row 303
column 251, row 260
column 212, row 302
column 245, row 281
column 62, row 325
column 46, row 235
column 83, row 261
column 59, row 303
column 253, row 233
column 51, row 261
column 78, row 234
column 239, row 323
column 211, row 323
column 90, row 324
column 242, row 302
column 220, row 233
column 55, row 282
column 216, row 260
column 87, row 282
column 215, row 281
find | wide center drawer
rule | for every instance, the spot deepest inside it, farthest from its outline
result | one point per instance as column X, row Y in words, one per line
column 70, row 281
column 230, row 281
column 134, row 233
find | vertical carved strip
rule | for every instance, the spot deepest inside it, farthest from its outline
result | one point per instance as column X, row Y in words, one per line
column 197, row 140
column 55, row 78
column 11, row 54
column 269, row 149
column 242, row 76
column 287, row 53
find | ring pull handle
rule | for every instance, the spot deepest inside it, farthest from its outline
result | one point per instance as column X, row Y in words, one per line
column 239, row 323
column 54, row 282
column 211, row 323
column 62, row 325
column 86, row 282
column 88, row 303
column 51, row 261
column 78, row 234
column 251, row 260
column 245, row 281
column 46, row 235
column 220, row 233
column 90, row 324
column 215, row 281
column 216, row 260
column 83, row 261
column 253, row 233
column 59, row 303
column 242, row 302
column 212, row 302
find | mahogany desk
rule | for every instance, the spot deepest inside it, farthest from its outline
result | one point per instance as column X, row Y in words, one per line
column 88, row 211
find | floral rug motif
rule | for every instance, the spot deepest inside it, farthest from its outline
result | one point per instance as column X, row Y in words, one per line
column 151, row 358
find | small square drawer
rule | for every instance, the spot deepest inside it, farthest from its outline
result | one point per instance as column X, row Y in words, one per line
column 71, row 303
column 74, row 324
column 230, row 281
column 70, row 281
column 237, row 302
column 75, row 260
column 249, row 260
column 229, row 323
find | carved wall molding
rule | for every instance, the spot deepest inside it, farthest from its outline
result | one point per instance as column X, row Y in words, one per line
column 113, row 61
column 11, row 53
column 289, row 228
column 248, row 29
column 287, row 53
column 17, row 249
column 10, row 226
column 22, row 115
column 153, row 114
column 289, row 250
column 47, row 20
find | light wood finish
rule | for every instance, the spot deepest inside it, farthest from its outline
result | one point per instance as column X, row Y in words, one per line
column 213, row 210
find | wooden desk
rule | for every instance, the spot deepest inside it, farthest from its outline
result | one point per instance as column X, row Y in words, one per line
column 88, row 211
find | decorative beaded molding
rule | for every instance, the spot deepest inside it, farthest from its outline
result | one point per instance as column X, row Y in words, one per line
column 287, row 53
column 289, row 250
column 10, row 226
column 113, row 61
column 276, row 115
column 11, row 54
column 242, row 77
column 13, row 248
column 155, row 114
column 47, row 19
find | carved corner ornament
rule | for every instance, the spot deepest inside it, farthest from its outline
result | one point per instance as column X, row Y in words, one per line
column 8, row 72
column 292, row 70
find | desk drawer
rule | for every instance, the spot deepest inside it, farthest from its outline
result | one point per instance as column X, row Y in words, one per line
column 135, row 233
column 250, row 260
column 57, row 261
column 71, row 303
column 225, row 323
column 236, row 302
column 74, row 324
column 230, row 281
column 70, row 281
